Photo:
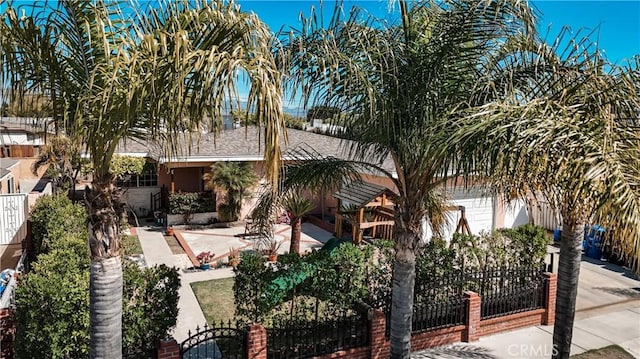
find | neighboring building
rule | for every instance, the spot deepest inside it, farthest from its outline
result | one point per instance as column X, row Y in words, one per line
column 184, row 173
column 8, row 183
column 21, row 136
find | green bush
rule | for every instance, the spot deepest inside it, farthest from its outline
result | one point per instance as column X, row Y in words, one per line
column 252, row 276
column 337, row 282
column 150, row 304
column 52, row 308
column 187, row 203
column 52, row 303
column 52, row 218
column 528, row 242
column 525, row 245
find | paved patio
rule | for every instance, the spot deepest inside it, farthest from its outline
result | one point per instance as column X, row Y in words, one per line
column 221, row 240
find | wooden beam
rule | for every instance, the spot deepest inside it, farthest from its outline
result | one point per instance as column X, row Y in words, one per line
column 366, row 225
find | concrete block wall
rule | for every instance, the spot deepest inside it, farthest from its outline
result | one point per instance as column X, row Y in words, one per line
column 139, row 199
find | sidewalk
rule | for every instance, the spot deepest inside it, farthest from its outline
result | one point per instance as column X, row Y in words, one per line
column 621, row 327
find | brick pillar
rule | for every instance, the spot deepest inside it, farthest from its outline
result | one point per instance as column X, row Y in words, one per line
column 256, row 342
column 472, row 324
column 550, row 286
column 377, row 340
column 168, row 349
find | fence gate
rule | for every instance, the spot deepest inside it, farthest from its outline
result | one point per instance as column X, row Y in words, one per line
column 221, row 342
column 13, row 218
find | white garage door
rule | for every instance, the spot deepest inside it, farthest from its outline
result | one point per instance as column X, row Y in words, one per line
column 479, row 213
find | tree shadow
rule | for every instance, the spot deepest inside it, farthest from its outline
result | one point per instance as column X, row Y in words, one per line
column 455, row 351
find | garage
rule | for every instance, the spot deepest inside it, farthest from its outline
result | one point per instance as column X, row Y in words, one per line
column 479, row 211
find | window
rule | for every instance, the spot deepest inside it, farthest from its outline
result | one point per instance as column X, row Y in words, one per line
column 148, row 178
column 11, row 185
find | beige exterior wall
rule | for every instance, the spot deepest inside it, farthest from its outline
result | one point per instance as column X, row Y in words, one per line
column 139, row 199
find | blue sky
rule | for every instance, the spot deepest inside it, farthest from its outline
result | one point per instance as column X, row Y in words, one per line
column 617, row 23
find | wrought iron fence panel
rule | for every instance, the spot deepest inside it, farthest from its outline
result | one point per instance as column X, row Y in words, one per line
column 505, row 291
column 304, row 340
column 222, row 341
column 438, row 314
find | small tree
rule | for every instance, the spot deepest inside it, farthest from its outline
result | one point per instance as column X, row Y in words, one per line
column 62, row 158
column 234, row 178
column 298, row 207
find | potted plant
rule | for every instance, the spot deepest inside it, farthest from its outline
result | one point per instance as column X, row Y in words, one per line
column 234, row 257
column 204, row 258
column 271, row 249
column 170, row 231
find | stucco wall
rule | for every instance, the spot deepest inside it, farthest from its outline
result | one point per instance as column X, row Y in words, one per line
column 139, row 199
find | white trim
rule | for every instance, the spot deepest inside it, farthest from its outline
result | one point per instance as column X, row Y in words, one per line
column 130, row 154
column 190, row 159
column 7, row 176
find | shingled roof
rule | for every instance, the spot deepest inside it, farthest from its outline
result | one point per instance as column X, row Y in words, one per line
column 243, row 144
column 360, row 193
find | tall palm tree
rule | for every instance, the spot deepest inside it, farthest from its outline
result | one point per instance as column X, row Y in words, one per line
column 115, row 72
column 234, row 178
column 400, row 86
column 569, row 134
column 297, row 206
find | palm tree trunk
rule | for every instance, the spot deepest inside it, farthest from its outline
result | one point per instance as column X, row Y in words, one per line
column 568, row 275
column 105, row 309
column 296, row 229
column 404, row 277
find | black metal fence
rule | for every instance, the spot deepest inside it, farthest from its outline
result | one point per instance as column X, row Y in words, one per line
column 305, row 340
column 507, row 291
column 222, row 341
column 439, row 303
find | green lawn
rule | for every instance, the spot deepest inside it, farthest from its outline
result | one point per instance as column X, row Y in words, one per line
column 131, row 245
column 610, row 352
column 215, row 298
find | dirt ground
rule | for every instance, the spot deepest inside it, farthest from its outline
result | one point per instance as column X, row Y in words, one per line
column 610, row 352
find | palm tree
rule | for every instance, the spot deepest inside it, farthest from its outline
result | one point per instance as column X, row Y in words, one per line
column 115, row 72
column 297, row 206
column 399, row 87
column 62, row 158
column 570, row 135
column 235, row 178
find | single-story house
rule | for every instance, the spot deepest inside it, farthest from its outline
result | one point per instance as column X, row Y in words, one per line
column 184, row 173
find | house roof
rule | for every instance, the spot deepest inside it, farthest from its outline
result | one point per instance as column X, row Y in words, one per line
column 244, row 144
column 24, row 124
column 8, row 163
column 4, row 173
column 360, row 193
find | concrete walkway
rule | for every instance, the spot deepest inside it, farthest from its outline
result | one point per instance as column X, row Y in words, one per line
column 156, row 251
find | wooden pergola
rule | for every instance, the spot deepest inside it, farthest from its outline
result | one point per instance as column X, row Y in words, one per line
column 360, row 198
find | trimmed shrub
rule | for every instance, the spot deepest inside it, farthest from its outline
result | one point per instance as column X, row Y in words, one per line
column 52, row 218
column 188, row 203
column 52, row 308
column 52, row 302
column 150, row 304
